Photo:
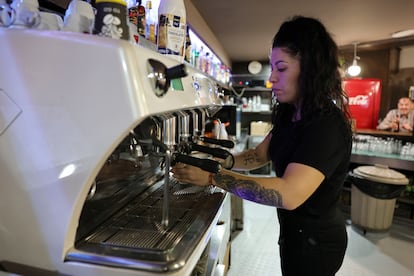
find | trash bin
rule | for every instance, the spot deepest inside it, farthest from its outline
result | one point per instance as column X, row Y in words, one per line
column 373, row 195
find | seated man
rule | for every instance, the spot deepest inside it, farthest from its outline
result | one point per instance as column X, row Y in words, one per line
column 400, row 119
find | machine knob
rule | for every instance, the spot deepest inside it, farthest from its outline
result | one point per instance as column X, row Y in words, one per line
column 161, row 76
column 176, row 72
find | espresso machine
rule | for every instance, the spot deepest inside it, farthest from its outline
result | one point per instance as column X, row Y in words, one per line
column 89, row 129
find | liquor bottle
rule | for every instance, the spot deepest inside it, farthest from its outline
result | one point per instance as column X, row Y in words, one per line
column 132, row 7
column 187, row 56
column 194, row 57
column 172, row 28
column 397, row 123
column 207, row 63
column 141, row 18
column 133, row 12
column 201, row 59
column 151, row 22
column 111, row 19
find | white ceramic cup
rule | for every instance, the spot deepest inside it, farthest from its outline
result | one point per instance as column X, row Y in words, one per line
column 7, row 14
column 27, row 13
column 50, row 21
column 79, row 17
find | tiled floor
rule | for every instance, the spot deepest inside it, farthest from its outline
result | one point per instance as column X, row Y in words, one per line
column 255, row 249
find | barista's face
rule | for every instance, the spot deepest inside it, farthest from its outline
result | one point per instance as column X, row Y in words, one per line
column 404, row 106
column 284, row 75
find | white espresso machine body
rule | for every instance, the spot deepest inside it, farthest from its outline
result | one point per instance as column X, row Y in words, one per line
column 67, row 100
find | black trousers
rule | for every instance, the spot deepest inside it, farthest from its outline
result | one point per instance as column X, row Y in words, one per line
column 312, row 246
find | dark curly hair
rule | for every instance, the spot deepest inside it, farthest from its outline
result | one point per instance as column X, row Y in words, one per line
column 319, row 80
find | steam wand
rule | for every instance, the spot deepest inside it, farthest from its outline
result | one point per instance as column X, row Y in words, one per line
column 172, row 158
column 166, row 187
column 165, row 201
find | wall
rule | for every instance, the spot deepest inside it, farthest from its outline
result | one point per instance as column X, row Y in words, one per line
column 400, row 80
column 407, row 57
column 393, row 65
column 201, row 28
column 399, row 84
column 241, row 73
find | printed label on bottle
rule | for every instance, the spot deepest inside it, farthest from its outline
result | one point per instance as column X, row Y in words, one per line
column 151, row 33
column 111, row 20
column 133, row 15
column 141, row 20
column 171, row 35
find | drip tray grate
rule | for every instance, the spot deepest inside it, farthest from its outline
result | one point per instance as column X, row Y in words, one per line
column 136, row 233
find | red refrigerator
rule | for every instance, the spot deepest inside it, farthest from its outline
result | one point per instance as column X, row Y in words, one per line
column 364, row 101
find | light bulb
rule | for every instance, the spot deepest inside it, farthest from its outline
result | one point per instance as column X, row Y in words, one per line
column 354, row 69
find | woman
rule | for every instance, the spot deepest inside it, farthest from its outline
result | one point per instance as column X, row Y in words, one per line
column 309, row 146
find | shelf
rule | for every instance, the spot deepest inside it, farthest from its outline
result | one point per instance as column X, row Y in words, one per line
column 391, row 160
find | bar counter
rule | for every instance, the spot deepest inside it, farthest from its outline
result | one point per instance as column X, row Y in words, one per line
column 395, row 161
column 405, row 136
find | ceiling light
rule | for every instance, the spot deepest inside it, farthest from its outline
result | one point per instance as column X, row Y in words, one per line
column 354, row 70
column 403, row 33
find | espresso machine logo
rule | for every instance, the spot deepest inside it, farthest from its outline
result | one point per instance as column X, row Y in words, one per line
column 359, row 100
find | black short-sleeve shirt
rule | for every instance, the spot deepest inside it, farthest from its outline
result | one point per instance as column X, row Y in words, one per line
column 323, row 143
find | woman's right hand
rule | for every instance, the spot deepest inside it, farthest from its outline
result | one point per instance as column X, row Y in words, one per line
column 395, row 124
column 185, row 173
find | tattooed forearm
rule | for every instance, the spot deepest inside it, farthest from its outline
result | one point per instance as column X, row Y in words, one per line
column 249, row 189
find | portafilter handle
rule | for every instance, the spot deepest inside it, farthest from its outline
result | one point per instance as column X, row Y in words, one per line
column 209, row 165
column 224, row 143
column 216, row 152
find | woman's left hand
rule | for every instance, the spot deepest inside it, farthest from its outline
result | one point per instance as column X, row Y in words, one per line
column 189, row 174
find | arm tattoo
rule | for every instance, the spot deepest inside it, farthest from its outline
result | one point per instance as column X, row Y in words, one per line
column 249, row 189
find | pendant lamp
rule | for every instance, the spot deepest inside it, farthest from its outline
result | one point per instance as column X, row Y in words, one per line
column 354, row 70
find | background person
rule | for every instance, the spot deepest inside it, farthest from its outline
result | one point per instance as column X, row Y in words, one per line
column 399, row 119
column 309, row 146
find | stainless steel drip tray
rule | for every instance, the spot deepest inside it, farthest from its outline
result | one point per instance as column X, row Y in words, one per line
column 135, row 238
